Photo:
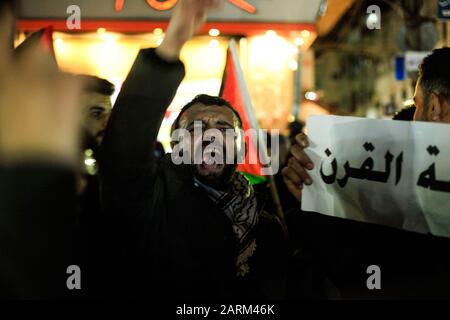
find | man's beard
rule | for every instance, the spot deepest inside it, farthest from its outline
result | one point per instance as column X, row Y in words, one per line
column 214, row 171
column 219, row 180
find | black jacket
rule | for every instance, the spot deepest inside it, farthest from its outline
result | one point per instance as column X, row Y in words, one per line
column 171, row 239
column 37, row 219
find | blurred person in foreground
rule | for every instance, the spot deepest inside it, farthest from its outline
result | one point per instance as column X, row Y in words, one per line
column 39, row 136
column 182, row 231
column 413, row 264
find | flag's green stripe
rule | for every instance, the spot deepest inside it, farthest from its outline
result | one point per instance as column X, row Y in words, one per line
column 254, row 179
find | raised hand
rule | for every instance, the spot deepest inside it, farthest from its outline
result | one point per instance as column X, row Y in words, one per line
column 187, row 18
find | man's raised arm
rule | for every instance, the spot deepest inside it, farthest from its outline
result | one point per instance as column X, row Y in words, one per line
column 147, row 92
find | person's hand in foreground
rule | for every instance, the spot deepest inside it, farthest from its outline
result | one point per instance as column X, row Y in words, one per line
column 39, row 105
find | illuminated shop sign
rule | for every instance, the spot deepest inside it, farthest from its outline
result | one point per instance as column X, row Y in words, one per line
column 162, row 5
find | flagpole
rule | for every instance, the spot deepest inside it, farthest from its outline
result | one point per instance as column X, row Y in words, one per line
column 253, row 123
column 277, row 203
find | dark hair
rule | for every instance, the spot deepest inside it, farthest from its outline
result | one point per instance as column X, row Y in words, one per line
column 434, row 75
column 96, row 84
column 406, row 114
column 206, row 100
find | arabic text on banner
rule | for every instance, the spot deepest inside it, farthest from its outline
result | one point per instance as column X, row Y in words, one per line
column 394, row 173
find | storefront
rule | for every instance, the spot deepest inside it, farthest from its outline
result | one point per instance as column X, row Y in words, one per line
column 272, row 34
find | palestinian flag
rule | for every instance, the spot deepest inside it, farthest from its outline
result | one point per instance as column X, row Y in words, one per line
column 234, row 89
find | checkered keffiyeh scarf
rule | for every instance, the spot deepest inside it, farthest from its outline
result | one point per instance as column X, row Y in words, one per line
column 240, row 206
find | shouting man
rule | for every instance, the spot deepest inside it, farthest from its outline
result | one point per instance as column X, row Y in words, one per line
column 183, row 230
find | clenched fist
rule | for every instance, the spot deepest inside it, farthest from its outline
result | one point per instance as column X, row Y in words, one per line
column 187, row 18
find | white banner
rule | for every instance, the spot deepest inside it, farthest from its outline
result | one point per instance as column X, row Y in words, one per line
column 394, row 173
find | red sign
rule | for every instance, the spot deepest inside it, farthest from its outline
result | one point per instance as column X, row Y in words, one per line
column 163, row 5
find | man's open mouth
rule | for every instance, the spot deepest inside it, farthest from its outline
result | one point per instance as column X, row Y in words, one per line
column 212, row 159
